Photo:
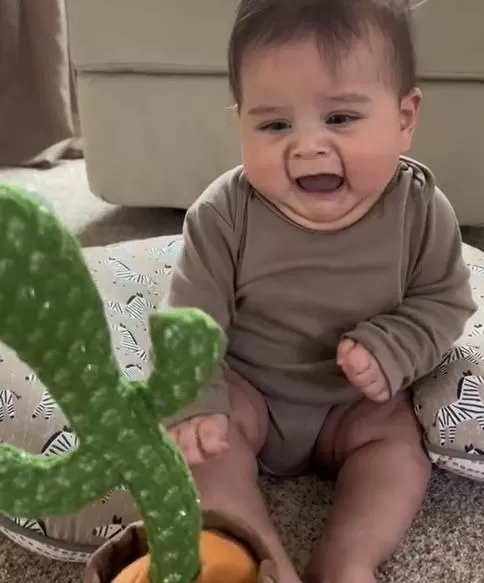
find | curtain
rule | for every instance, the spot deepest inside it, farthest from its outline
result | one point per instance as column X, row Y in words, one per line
column 38, row 118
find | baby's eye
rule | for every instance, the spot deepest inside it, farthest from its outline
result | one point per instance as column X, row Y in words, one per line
column 275, row 126
column 341, row 119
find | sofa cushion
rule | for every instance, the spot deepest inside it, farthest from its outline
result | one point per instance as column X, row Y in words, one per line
column 150, row 35
column 450, row 43
column 188, row 36
column 155, row 140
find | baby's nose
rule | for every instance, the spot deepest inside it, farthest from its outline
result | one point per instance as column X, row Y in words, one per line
column 311, row 144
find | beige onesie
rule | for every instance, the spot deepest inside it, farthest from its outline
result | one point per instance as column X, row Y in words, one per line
column 286, row 296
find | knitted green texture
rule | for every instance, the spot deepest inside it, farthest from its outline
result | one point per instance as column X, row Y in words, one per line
column 52, row 316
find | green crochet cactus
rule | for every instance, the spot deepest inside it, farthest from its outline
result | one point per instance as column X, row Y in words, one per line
column 52, row 316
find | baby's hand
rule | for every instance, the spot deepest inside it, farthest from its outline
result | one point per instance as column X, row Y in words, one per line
column 363, row 371
column 201, row 437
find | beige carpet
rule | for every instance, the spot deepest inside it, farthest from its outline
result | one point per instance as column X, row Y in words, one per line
column 446, row 542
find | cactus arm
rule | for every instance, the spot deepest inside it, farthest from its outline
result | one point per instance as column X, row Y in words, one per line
column 187, row 348
column 50, row 309
column 35, row 486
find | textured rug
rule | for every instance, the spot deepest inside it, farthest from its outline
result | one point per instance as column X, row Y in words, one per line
column 445, row 543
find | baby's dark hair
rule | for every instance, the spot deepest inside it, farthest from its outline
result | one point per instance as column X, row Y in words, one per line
column 335, row 25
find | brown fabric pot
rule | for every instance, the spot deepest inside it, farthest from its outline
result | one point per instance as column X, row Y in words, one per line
column 231, row 552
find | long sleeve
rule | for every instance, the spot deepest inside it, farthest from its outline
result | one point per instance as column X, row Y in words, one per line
column 204, row 278
column 410, row 342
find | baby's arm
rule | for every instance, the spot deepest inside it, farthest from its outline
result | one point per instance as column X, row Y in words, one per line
column 410, row 342
column 204, row 278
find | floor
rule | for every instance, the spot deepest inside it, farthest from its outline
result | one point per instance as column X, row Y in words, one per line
column 445, row 543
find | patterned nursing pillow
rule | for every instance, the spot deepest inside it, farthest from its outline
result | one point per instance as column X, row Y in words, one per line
column 450, row 402
column 51, row 315
column 450, row 406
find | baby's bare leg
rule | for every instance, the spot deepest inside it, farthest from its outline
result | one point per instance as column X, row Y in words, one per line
column 383, row 475
column 228, row 483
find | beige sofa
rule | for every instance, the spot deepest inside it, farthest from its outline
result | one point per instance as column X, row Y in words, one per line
column 154, row 100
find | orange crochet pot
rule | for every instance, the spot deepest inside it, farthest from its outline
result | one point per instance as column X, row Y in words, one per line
column 223, row 561
column 240, row 557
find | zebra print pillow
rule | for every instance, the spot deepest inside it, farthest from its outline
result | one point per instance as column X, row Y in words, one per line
column 450, row 402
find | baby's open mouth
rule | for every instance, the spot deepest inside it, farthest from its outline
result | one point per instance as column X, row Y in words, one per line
column 322, row 183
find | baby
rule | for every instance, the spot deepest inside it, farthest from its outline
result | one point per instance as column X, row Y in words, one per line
column 334, row 266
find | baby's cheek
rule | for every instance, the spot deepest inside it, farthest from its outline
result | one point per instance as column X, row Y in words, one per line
column 265, row 168
column 370, row 170
column 258, row 152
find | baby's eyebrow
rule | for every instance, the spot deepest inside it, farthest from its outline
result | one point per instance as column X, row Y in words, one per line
column 267, row 110
column 339, row 98
column 352, row 98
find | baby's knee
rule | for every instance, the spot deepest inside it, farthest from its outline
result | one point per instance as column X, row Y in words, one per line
column 397, row 432
column 403, row 424
column 392, row 422
column 402, row 432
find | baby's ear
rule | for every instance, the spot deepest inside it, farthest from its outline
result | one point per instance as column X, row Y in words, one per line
column 409, row 114
column 235, row 110
column 414, row 4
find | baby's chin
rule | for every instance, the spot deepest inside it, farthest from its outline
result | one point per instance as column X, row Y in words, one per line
column 325, row 213
column 322, row 222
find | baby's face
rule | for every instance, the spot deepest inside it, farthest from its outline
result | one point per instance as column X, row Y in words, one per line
column 322, row 145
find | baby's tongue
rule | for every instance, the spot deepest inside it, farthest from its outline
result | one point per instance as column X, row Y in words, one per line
column 320, row 182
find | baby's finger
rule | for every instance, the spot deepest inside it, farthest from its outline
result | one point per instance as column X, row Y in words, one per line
column 361, row 361
column 187, row 441
column 382, row 397
column 377, row 392
column 212, row 434
column 370, row 376
column 344, row 348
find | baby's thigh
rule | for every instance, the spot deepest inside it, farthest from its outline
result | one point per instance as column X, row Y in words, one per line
column 248, row 410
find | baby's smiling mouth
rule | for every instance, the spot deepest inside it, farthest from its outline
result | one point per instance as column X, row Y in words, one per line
column 320, row 183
